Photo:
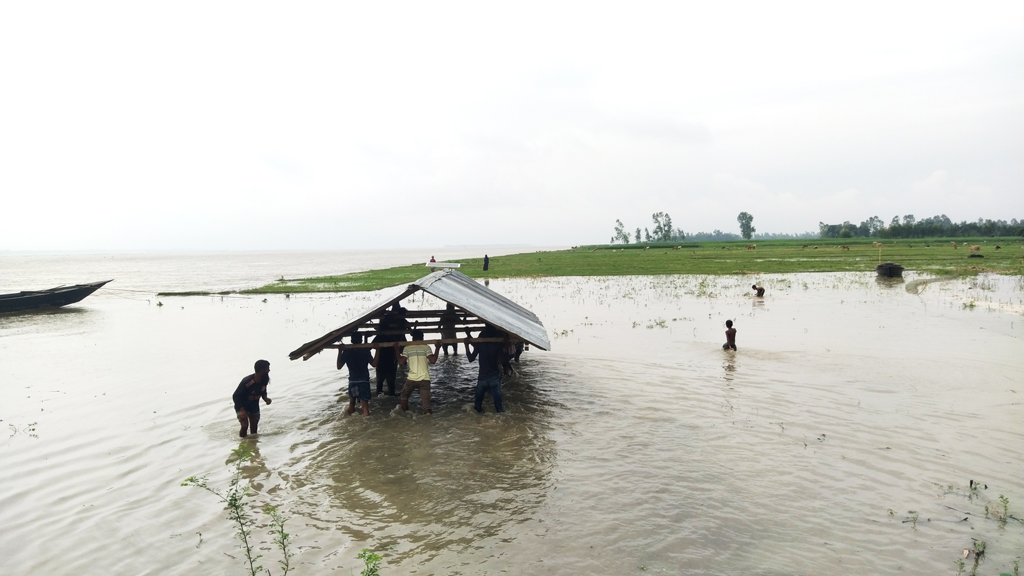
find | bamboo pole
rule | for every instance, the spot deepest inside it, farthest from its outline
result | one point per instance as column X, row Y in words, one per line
column 427, row 342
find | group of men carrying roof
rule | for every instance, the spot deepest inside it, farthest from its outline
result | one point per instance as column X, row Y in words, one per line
column 493, row 358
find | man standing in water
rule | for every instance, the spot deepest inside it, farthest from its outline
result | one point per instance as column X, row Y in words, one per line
column 358, row 361
column 247, row 397
column 489, row 378
column 418, row 357
column 730, row 337
column 387, row 358
column 758, row 290
column 448, row 320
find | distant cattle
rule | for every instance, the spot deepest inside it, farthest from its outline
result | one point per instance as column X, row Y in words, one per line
column 975, row 248
column 804, row 247
column 751, row 246
column 876, row 244
column 815, row 247
column 647, row 247
column 954, row 245
column 998, row 248
column 847, row 248
column 678, row 248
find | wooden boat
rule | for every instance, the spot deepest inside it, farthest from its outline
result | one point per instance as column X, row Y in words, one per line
column 889, row 270
column 52, row 298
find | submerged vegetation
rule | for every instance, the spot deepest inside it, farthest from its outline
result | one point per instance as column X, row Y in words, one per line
column 235, row 498
column 935, row 256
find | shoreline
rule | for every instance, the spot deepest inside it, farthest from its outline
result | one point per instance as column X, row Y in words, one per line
column 932, row 255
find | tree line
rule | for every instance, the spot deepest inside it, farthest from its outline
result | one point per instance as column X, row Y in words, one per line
column 664, row 232
column 909, row 227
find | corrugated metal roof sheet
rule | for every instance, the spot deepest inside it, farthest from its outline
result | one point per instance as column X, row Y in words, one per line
column 491, row 307
column 462, row 291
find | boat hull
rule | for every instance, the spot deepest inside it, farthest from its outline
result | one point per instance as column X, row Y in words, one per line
column 889, row 270
column 52, row 298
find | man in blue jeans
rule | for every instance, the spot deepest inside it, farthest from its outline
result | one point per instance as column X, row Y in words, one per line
column 489, row 379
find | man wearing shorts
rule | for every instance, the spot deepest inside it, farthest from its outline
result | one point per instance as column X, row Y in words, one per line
column 247, row 397
column 758, row 290
column 358, row 361
column 418, row 357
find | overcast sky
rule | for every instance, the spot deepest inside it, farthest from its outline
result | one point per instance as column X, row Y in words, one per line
column 217, row 125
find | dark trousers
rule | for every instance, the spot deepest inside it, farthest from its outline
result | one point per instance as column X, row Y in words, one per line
column 491, row 384
column 387, row 374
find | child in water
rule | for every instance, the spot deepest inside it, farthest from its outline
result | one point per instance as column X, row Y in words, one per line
column 730, row 337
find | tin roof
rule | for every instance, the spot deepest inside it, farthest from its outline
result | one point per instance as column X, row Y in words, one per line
column 456, row 288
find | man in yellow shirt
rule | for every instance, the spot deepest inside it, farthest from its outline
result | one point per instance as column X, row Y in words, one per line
column 418, row 357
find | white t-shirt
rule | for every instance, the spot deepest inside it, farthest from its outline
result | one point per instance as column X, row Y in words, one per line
column 417, row 355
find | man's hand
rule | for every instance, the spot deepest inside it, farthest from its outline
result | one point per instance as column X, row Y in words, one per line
column 266, row 399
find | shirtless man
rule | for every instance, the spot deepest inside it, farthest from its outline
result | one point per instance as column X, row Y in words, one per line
column 730, row 336
column 758, row 290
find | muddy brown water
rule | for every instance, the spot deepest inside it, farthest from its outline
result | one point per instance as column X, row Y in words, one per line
column 635, row 446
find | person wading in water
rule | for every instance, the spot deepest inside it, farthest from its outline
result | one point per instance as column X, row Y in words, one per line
column 247, row 397
column 730, row 337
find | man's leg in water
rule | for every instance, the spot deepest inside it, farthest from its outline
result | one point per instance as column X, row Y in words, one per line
column 351, row 405
column 366, row 407
column 478, row 399
column 254, row 422
column 243, row 419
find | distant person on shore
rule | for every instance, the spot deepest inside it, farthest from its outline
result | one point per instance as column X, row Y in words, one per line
column 432, row 259
column 758, row 290
column 247, row 397
column 489, row 377
column 418, row 357
column 730, row 337
column 358, row 361
column 387, row 358
column 487, row 262
column 448, row 321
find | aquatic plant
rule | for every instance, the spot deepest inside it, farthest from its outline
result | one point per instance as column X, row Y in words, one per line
column 235, row 499
column 371, row 562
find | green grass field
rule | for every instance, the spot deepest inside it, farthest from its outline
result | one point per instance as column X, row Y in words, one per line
column 934, row 255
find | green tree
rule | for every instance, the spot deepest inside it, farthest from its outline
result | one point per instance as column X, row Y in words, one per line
column 620, row 233
column 637, row 234
column 746, row 225
column 662, row 227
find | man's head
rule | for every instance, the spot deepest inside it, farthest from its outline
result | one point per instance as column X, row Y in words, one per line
column 450, row 306
column 262, row 368
column 728, row 323
column 356, row 338
column 489, row 331
column 754, row 286
column 417, row 334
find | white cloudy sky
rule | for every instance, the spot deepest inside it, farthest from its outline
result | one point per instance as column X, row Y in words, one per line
column 251, row 125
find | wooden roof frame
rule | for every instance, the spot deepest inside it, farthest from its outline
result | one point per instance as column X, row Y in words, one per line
column 453, row 287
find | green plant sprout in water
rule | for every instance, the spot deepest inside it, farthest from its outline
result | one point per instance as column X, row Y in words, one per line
column 235, row 500
column 371, row 562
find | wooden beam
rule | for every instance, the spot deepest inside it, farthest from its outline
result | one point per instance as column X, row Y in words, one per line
column 427, row 342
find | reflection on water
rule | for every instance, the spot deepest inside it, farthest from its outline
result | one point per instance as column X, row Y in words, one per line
column 420, row 485
column 888, row 283
column 636, row 443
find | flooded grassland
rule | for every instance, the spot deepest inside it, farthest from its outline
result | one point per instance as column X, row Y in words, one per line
column 842, row 437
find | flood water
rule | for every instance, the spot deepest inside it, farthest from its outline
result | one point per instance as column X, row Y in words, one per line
column 840, row 439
